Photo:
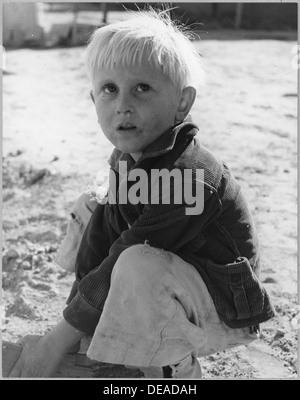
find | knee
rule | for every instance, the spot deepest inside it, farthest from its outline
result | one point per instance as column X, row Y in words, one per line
column 140, row 259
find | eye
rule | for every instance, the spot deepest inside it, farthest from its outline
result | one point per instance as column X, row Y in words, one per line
column 142, row 87
column 109, row 88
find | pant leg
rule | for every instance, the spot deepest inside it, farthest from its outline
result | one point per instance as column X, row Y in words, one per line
column 79, row 218
column 158, row 311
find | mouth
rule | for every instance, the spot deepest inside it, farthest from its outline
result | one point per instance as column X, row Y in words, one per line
column 126, row 126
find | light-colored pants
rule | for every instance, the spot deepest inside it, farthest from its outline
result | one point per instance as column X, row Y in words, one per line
column 158, row 310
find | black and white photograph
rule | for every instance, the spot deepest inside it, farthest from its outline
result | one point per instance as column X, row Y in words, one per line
column 149, row 193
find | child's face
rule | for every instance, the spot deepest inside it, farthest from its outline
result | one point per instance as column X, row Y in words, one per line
column 135, row 105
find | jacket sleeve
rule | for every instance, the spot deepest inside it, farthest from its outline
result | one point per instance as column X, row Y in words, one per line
column 162, row 226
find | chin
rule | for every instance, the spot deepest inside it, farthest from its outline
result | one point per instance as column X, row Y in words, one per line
column 126, row 149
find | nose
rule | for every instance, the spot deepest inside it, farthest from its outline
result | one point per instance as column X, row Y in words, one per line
column 125, row 105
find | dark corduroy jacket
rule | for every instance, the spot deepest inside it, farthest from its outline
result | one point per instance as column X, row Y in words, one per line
column 221, row 242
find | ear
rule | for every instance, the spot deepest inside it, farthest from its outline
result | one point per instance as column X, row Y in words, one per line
column 92, row 96
column 186, row 102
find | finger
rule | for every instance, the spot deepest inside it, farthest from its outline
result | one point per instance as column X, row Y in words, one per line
column 22, row 342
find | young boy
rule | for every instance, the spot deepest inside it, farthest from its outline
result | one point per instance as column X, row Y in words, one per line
column 160, row 280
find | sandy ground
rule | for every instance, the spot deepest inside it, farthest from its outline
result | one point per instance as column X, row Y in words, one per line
column 52, row 149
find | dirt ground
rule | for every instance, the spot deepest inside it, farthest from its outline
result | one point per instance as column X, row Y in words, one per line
column 53, row 148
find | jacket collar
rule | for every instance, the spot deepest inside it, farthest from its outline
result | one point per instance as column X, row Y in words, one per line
column 163, row 144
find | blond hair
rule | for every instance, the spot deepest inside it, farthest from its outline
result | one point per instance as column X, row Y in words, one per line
column 151, row 36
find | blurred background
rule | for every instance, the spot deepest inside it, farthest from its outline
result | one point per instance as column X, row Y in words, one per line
column 49, row 24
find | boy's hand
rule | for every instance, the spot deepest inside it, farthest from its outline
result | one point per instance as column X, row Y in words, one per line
column 37, row 358
column 41, row 356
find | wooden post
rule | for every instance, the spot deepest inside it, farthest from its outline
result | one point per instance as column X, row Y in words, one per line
column 72, row 366
column 74, row 38
column 104, row 10
column 215, row 11
column 238, row 15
